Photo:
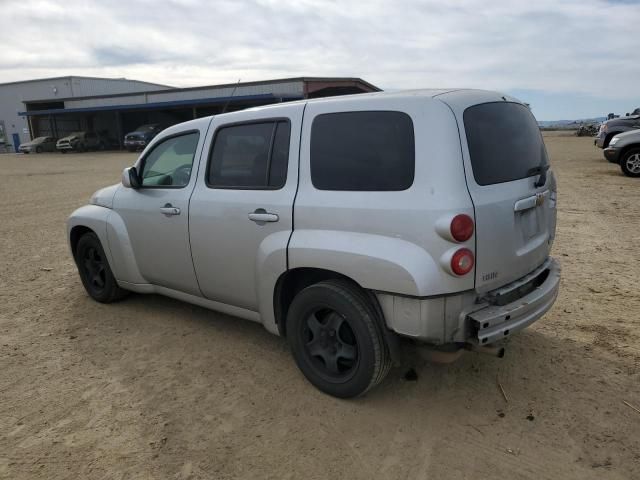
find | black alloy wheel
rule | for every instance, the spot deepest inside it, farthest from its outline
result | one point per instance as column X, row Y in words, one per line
column 336, row 338
column 95, row 273
column 330, row 343
column 94, row 268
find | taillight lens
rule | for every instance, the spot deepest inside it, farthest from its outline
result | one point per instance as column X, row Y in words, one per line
column 462, row 227
column 462, row 261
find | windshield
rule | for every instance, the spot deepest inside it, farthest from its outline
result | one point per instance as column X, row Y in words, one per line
column 504, row 141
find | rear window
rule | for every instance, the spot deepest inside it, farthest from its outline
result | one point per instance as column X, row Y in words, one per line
column 504, row 141
column 362, row 151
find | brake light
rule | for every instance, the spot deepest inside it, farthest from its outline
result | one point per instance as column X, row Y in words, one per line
column 462, row 261
column 461, row 227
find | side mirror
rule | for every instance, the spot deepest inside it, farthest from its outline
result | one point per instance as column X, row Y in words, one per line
column 130, row 178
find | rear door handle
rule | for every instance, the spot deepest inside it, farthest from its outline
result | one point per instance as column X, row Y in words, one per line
column 261, row 215
column 169, row 210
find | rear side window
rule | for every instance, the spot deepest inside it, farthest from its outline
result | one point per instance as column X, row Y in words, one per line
column 504, row 141
column 362, row 151
column 251, row 156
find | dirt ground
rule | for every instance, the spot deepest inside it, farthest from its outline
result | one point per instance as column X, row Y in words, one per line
column 154, row 388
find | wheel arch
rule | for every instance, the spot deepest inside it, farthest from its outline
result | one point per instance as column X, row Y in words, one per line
column 293, row 281
column 75, row 234
column 626, row 148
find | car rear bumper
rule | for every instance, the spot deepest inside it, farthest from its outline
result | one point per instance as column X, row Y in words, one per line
column 599, row 141
column 466, row 317
column 495, row 322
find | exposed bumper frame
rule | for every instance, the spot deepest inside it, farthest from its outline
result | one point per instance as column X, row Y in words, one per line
column 495, row 322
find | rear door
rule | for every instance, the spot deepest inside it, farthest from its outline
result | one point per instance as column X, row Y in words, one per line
column 241, row 212
column 512, row 188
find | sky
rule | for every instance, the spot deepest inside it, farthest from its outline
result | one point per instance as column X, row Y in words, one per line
column 568, row 59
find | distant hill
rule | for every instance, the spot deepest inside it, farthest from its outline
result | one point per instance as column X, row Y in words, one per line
column 569, row 123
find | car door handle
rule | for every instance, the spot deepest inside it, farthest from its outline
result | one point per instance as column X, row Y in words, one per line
column 531, row 202
column 169, row 210
column 261, row 215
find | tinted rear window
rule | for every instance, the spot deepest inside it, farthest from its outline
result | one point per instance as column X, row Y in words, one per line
column 504, row 142
column 362, row 151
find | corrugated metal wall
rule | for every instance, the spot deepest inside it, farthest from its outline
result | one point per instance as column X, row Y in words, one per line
column 13, row 96
column 285, row 89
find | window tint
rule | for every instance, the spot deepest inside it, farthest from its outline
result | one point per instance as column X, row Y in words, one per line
column 169, row 163
column 364, row 151
column 504, row 142
column 251, row 155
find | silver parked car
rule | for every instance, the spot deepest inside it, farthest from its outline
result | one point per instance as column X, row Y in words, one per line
column 80, row 142
column 38, row 145
column 350, row 225
column 624, row 149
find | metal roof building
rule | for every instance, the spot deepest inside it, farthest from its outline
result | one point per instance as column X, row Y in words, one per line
column 15, row 97
column 59, row 106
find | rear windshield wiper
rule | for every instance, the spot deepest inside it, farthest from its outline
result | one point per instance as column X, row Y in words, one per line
column 539, row 170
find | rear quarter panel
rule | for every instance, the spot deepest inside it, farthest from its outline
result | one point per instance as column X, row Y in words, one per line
column 386, row 241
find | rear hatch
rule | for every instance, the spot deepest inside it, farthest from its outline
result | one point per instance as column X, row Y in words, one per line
column 510, row 183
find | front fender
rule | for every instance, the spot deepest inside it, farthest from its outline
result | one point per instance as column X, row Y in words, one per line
column 113, row 235
column 94, row 218
column 375, row 262
column 124, row 266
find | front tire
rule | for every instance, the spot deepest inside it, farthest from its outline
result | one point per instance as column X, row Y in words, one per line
column 630, row 163
column 38, row 149
column 95, row 273
column 336, row 339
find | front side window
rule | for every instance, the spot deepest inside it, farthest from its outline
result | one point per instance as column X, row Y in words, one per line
column 251, row 156
column 169, row 163
column 362, row 151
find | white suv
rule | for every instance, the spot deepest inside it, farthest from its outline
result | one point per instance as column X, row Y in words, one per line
column 348, row 224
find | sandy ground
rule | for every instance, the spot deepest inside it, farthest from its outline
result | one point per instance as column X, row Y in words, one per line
column 153, row 388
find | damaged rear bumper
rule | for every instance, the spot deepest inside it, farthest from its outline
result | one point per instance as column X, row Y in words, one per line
column 497, row 321
column 466, row 318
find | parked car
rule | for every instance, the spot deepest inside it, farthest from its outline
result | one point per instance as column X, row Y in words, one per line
column 141, row 136
column 610, row 128
column 624, row 149
column 38, row 145
column 80, row 141
column 423, row 217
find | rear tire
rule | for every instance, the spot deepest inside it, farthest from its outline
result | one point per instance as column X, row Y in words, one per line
column 336, row 339
column 95, row 273
column 630, row 163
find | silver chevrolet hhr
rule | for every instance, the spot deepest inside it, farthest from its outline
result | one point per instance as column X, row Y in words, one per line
column 349, row 225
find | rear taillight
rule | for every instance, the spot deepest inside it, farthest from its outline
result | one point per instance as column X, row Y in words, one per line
column 462, row 261
column 461, row 227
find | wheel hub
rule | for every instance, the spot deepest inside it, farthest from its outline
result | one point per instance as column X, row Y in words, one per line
column 330, row 343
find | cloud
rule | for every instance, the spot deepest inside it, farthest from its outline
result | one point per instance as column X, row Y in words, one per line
column 585, row 47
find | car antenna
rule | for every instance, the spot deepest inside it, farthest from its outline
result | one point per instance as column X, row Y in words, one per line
column 224, row 109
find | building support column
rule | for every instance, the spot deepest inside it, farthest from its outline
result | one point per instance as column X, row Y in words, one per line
column 119, row 129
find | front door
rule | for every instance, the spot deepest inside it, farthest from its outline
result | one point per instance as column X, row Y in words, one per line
column 241, row 214
column 156, row 215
